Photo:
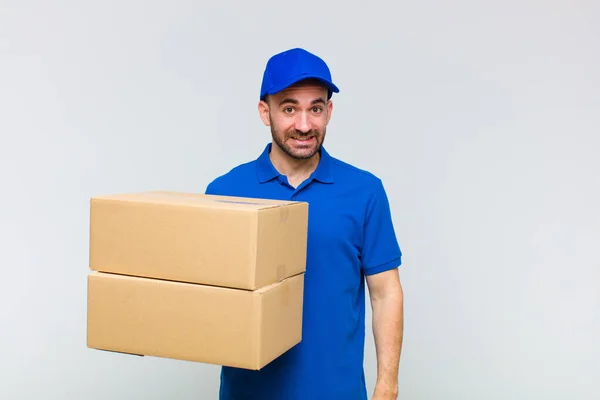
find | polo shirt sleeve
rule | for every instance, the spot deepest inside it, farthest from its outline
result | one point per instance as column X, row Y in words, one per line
column 381, row 250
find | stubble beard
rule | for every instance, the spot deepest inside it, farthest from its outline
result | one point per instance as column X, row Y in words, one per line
column 289, row 151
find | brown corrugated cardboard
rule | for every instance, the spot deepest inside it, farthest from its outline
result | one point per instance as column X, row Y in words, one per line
column 194, row 322
column 214, row 240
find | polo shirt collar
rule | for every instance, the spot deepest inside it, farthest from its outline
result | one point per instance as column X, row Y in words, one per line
column 266, row 171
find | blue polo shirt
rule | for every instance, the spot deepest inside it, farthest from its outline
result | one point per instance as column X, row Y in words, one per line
column 350, row 235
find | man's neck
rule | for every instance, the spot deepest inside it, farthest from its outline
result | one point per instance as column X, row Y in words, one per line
column 296, row 171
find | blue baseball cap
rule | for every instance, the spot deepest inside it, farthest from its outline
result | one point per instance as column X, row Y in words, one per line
column 291, row 66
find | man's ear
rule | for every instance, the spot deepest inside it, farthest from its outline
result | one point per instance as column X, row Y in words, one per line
column 329, row 110
column 263, row 112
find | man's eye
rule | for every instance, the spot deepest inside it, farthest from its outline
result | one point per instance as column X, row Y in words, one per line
column 288, row 110
column 317, row 109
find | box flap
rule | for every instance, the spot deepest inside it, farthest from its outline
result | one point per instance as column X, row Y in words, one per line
column 197, row 200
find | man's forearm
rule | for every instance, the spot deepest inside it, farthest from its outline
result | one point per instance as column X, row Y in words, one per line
column 388, row 326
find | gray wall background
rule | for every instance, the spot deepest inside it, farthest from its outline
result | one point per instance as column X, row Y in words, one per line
column 482, row 118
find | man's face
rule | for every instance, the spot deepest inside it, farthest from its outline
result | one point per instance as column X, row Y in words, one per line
column 298, row 117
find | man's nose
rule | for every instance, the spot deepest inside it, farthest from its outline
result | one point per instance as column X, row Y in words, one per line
column 302, row 123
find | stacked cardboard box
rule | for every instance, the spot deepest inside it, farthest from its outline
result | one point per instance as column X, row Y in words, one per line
column 196, row 277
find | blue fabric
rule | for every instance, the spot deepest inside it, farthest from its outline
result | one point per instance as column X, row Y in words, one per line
column 291, row 66
column 350, row 235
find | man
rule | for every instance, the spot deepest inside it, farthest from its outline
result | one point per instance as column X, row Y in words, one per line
column 350, row 237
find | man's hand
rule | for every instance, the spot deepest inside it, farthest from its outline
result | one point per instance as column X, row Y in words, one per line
column 387, row 302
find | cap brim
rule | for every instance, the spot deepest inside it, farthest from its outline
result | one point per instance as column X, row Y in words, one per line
column 330, row 85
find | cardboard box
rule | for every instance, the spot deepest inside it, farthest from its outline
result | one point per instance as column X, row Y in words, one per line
column 194, row 322
column 214, row 240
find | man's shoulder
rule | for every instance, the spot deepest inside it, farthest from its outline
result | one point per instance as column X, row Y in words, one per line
column 361, row 182
column 238, row 171
column 232, row 177
column 352, row 173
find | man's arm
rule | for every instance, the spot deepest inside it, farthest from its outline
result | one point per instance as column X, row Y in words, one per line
column 387, row 302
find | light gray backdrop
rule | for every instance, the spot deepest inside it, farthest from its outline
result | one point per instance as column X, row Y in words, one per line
column 482, row 118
